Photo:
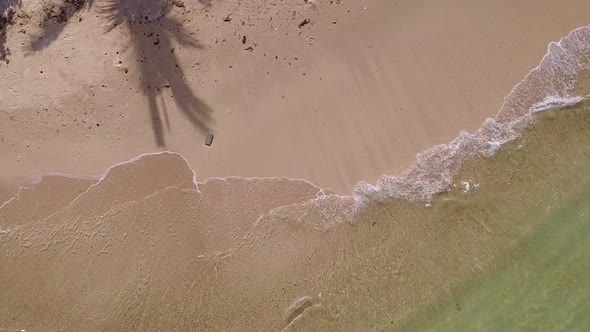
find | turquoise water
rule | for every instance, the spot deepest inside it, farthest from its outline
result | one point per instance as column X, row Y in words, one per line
column 543, row 286
column 542, row 283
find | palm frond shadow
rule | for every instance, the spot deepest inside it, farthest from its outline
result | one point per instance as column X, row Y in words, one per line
column 154, row 36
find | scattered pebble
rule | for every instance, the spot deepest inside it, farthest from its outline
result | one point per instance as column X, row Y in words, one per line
column 304, row 23
column 209, row 139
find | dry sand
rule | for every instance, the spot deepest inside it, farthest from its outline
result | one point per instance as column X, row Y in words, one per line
column 382, row 81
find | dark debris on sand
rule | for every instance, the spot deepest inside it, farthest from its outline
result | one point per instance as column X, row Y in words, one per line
column 7, row 18
column 62, row 13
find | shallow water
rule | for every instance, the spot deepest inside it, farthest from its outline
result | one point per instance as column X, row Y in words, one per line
column 541, row 282
column 473, row 257
column 542, row 286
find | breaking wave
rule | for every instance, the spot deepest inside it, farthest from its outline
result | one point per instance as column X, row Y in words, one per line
column 548, row 86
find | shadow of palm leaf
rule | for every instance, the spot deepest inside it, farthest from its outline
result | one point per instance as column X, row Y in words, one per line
column 154, row 36
column 54, row 22
column 7, row 11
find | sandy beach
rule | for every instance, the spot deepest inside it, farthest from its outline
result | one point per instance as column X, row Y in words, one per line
column 380, row 82
column 116, row 216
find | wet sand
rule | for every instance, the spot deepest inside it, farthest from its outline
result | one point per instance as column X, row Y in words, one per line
column 376, row 86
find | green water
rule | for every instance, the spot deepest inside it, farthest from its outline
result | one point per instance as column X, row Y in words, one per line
column 543, row 286
column 539, row 208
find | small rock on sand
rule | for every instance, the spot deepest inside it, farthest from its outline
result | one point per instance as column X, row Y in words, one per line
column 209, row 139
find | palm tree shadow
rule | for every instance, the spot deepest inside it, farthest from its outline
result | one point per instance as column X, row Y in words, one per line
column 160, row 70
column 154, row 35
column 7, row 13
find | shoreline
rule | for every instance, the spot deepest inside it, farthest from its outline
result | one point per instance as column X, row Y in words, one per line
column 519, row 113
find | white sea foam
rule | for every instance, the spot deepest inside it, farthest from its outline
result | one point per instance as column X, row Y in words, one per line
column 548, row 86
column 434, row 170
column 552, row 102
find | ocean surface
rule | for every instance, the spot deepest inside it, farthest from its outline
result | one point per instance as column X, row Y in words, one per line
column 537, row 221
column 487, row 233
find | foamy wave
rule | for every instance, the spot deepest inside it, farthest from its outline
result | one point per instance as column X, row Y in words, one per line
column 552, row 102
column 548, row 86
column 435, row 169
